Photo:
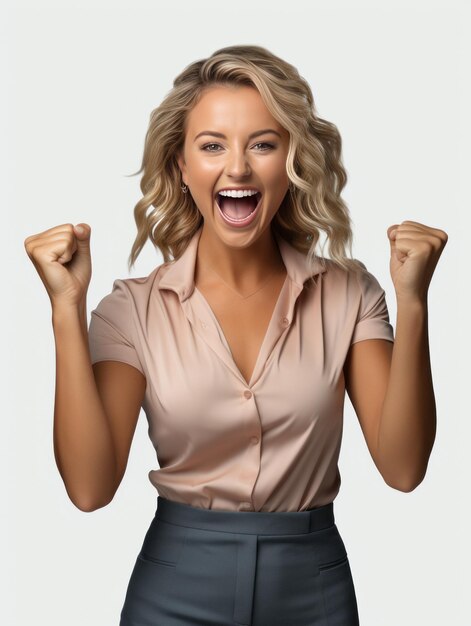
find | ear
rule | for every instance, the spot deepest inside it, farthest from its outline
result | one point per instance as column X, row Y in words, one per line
column 181, row 165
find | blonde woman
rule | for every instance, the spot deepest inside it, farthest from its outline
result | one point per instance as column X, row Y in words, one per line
column 240, row 347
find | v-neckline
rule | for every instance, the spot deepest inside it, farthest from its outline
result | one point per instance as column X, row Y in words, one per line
column 268, row 332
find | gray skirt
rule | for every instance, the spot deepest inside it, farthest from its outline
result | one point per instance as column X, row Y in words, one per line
column 251, row 568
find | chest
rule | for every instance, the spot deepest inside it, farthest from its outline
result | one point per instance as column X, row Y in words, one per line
column 222, row 371
column 244, row 321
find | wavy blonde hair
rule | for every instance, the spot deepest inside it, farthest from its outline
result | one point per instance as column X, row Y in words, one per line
column 314, row 165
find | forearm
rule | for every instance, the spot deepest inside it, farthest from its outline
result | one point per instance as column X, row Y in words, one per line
column 83, row 444
column 408, row 421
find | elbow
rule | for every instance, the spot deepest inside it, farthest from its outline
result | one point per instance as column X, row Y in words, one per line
column 88, row 506
column 87, row 503
column 404, row 487
column 88, row 500
column 405, row 484
column 404, row 479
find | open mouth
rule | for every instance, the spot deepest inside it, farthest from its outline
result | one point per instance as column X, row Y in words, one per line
column 238, row 209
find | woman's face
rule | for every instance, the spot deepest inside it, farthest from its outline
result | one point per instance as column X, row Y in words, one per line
column 239, row 156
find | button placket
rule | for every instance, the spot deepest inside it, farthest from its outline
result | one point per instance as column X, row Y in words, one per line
column 254, row 440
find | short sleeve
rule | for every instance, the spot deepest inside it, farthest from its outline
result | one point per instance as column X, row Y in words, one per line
column 373, row 316
column 110, row 336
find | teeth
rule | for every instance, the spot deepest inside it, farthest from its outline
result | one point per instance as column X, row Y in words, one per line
column 238, row 193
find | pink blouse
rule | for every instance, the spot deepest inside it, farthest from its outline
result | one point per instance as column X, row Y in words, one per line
column 272, row 444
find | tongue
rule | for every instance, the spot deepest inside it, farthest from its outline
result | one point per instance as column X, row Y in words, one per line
column 237, row 208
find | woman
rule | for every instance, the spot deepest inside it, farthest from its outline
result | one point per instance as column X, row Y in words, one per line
column 240, row 347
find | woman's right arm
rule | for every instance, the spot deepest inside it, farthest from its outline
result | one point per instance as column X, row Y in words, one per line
column 95, row 413
column 96, row 406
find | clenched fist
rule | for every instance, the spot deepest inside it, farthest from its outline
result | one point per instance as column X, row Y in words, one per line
column 61, row 256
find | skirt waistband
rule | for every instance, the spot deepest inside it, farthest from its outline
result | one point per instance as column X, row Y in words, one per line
column 254, row 522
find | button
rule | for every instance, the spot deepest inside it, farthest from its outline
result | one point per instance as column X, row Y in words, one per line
column 285, row 321
column 246, row 505
column 204, row 325
column 254, row 439
column 248, row 394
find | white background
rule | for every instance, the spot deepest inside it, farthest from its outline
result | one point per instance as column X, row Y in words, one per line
column 79, row 82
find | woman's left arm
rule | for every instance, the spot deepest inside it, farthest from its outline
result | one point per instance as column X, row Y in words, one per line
column 407, row 426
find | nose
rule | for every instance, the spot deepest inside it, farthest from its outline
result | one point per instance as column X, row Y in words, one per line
column 237, row 164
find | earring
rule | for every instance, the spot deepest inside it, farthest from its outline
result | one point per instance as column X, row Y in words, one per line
column 184, row 188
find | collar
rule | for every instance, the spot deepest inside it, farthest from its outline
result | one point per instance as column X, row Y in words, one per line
column 179, row 276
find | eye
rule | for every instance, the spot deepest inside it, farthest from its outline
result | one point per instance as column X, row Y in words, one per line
column 207, row 146
column 263, row 143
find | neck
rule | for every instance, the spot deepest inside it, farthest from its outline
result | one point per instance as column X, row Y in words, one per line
column 242, row 268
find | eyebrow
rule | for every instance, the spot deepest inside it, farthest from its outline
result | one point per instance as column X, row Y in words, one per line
column 222, row 136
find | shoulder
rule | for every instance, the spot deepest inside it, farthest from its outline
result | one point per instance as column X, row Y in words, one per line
column 356, row 302
column 138, row 289
column 358, row 279
column 337, row 279
column 351, row 290
column 126, row 297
